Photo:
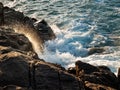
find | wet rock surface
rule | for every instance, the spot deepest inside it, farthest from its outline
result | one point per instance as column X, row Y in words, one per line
column 12, row 18
column 14, row 40
column 95, row 77
column 1, row 14
column 21, row 69
column 95, row 50
column 17, row 68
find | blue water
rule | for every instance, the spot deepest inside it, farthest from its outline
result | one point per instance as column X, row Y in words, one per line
column 79, row 25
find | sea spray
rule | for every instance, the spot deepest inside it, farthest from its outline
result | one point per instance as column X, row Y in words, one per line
column 66, row 51
column 32, row 35
column 72, row 16
column 63, row 50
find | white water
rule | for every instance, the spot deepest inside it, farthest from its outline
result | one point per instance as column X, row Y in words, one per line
column 66, row 49
column 77, row 29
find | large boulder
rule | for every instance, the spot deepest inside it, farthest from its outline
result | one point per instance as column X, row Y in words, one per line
column 36, row 32
column 22, row 70
column 88, row 69
column 45, row 30
column 102, row 78
column 14, row 19
column 95, row 77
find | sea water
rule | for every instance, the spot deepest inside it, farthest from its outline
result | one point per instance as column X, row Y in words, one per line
column 79, row 25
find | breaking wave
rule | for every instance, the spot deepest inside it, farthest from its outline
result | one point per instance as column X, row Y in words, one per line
column 79, row 25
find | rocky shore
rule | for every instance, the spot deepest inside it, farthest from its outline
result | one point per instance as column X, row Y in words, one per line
column 22, row 69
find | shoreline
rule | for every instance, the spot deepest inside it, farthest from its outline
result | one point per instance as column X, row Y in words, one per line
column 21, row 67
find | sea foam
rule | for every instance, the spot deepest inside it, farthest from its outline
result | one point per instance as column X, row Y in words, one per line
column 66, row 49
column 83, row 25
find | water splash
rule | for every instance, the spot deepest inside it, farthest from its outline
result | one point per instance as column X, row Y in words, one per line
column 30, row 33
column 84, row 24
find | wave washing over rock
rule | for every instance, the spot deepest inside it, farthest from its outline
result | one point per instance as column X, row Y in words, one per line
column 20, row 67
column 79, row 25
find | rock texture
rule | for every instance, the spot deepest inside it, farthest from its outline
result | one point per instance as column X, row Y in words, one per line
column 16, row 41
column 1, row 14
column 36, row 32
column 95, row 77
column 119, row 77
column 21, row 69
column 95, row 50
column 12, row 18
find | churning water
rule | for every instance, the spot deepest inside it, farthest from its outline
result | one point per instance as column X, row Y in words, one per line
column 78, row 25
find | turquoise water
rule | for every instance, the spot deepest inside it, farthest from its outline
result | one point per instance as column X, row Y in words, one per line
column 78, row 25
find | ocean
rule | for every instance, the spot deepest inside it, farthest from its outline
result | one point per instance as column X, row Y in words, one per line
column 78, row 25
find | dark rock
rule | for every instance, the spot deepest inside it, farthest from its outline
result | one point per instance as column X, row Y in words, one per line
column 93, row 86
column 58, row 65
column 88, row 69
column 20, row 66
column 72, row 70
column 12, row 71
column 99, row 77
column 14, row 18
column 104, row 68
column 95, row 50
column 19, row 69
column 14, row 40
column 1, row 14
column 119, row 74
column 29, row 22
column 22, row 24
column 45, row 30
column 61, row 79
column 103, row 78
column 119, row 77
column 34, row 20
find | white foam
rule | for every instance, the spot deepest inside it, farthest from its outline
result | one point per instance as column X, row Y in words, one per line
column 111, row 60
column 67, row 48
column 71, row 44
column 64, row 49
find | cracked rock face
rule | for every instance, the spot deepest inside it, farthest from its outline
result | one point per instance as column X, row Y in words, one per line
column 95, row 77
column 22, row 70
